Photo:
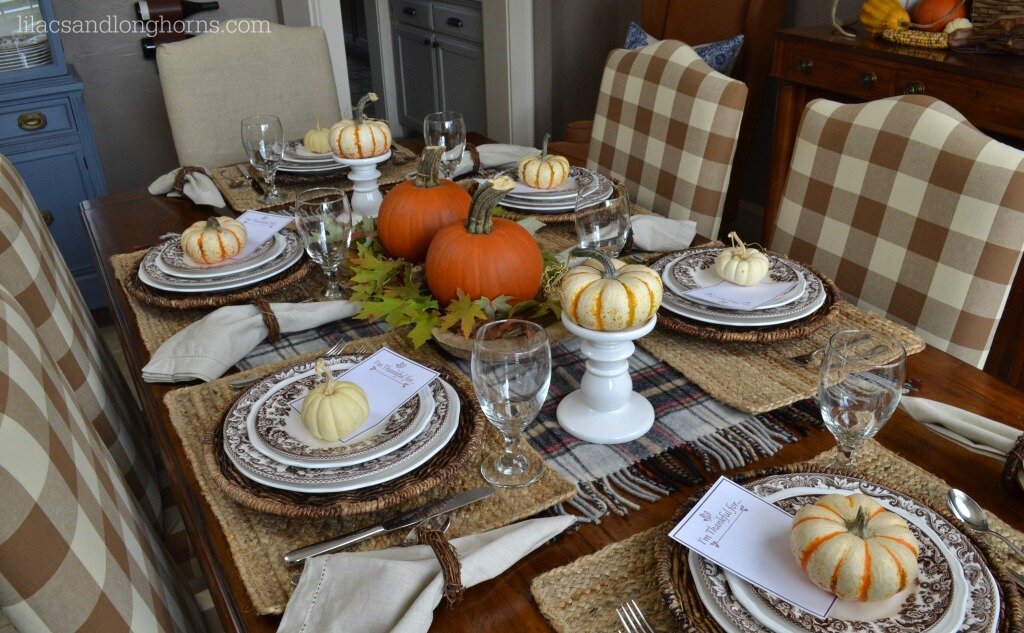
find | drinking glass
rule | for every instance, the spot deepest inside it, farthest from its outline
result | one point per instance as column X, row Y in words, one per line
column 603, row 224
column 511, row 370
column 323, row 217
column 859, row 386
column 447, row 130
column 263, row 140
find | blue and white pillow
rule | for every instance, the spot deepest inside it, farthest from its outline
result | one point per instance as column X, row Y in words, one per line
column 719, row 55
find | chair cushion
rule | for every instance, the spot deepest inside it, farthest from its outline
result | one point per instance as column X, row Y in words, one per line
column 913, row 212
column 720, row 55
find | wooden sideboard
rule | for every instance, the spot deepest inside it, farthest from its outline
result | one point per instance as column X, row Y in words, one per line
column 812, row 62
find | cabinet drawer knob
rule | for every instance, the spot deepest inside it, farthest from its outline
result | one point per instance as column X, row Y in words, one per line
column 868, row 80
column 32, row 121
column 456, row 22
column 914, row 88
column 47, row 217
column 437, row 45
column 410, row 11
column 805, row 66
column 426, row 41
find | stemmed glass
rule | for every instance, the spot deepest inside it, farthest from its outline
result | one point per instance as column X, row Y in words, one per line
column 859, row 386
column 603, row 224
column 263, row 140
column 323, row 217
column 511, row 370
column 447, row 130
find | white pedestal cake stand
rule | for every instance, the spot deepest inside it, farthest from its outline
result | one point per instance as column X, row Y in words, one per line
column 366, row 195
column 605, row 409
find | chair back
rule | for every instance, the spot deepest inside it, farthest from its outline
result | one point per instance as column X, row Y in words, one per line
column 249, row 67
column 912, row 211
column 666, row 124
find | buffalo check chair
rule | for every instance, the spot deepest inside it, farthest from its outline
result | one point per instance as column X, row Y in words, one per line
column 912, row 211
column 666, row 124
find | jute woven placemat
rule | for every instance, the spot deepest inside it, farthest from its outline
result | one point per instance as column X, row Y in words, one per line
column 582, row 595
column 258, row 541
column 244, row 198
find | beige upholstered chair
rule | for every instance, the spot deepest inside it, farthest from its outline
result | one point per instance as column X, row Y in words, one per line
column 213, row 81
column 81, row 524
column 667, row 124
column 912, row 211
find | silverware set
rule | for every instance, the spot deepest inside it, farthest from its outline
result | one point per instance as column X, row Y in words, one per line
column 335, row 350
column 967, row 510
column 632, row 619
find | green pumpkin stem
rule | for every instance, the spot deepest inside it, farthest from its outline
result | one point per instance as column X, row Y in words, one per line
column 601, row 256
column 429, row 167
column 367, row 98
column 487, row 196
column 544, row 147
column 859, row 525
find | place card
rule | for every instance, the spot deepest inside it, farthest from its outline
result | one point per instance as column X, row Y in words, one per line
column 748, row 536
column 389, row 380
column 735, row 297
column 260, row 227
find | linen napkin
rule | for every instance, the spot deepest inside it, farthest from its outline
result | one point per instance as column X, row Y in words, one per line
column 397, row 589
column 209, row 347
column 657, row 233
column 494, row 155
column 197, row 186
column 970, row 430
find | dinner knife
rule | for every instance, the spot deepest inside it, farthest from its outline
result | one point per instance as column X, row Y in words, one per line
column 244, row 169
column 400, row 522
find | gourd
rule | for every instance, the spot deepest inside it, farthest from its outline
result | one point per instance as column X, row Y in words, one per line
column 933, row 15
column 740, row 264
column 853, row 547
column 879, row 15
column 318, row 140
column 213, row 240
column 957, row 25
column 544, row 171
column 334, row 408
column 487, row 256
column 608, row 295
column 360, row 137
column 415, row 210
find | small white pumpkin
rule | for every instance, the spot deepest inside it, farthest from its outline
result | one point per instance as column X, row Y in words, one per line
column 853, row 547
column 740, row 264
column 543, row 171
column 607, row 295
column 957, row 24
column 318, row 140
column 334, row 408
column 360, row 137
column 213, row 240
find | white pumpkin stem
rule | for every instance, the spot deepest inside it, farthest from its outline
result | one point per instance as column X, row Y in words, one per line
column 736, row 238
column 544, row 147
column 430, row 166
column 324, row 370
column 367, row 98
column 859, row 525
column 601, row 256
column 487, row 196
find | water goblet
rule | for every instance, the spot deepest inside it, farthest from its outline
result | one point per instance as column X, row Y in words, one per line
column 859, row 386
column 323, row 218
column 447, row 130
column 603, row 223
column 263, row 140
column 511, row 369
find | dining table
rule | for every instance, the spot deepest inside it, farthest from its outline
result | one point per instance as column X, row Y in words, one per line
column 134, row 219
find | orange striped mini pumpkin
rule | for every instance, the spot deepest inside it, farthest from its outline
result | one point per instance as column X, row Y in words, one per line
column 545, row 171
column 607, row 295
column 360, row 136
column 214, row 240
column 853, row 547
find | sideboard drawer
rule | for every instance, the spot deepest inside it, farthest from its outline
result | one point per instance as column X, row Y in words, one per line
column 22, row 121
column 999, row 106
column 817, row 67
column 416, row 12
column 459, row 21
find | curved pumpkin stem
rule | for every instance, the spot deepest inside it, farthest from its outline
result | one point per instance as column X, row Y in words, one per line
column 430, row 166
column 487, row 196
column 859, row 525
column 367, row 98
column 601, row 256
column 212, row 223
column 544, row 147
column 324, row 371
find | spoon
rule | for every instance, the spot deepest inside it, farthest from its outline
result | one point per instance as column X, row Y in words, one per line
column 968, row 511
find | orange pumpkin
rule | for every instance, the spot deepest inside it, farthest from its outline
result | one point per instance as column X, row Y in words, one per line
column 415, row 210
column 933, row 15
column 486, row 257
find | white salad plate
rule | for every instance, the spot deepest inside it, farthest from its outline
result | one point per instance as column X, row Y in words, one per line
column 600, row 191
column 696, row 269
column 296, row 151
column 172, row 260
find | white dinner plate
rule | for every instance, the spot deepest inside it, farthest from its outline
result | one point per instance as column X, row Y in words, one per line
column 696, row 269
column 173, row 261
column 601, row 192
column 580, row 179
column 296, row 150
column 303, row 169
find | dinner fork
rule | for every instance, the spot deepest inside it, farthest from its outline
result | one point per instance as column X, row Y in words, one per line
column 632, row 618
column 333, row 351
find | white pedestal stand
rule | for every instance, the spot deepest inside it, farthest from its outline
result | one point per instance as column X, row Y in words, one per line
column 605, row 409
column 366, row 195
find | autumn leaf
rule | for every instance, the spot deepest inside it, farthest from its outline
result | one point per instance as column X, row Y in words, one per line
column 465, row 312
column 423, row 329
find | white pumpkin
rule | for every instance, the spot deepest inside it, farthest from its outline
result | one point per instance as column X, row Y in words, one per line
column 543, row 171
column 213, row 240
column 608, row 295
column 740, row 264
column 318, row 140
column 360, row 137
column 853, row 547
column 334, row 408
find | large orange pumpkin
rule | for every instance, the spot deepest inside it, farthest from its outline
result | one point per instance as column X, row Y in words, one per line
column 415, row 210
column 933, row 15
column 486, row 257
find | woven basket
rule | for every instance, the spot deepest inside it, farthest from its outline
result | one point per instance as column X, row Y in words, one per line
column 983, row 12
column 461, row 347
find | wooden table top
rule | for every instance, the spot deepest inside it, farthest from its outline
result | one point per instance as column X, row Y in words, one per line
column 129, row 221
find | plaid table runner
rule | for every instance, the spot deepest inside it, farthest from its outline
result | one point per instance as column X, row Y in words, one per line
column 692, row 434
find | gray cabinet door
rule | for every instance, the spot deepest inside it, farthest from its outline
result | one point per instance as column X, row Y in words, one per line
column 461, row 78
column 417, row 76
